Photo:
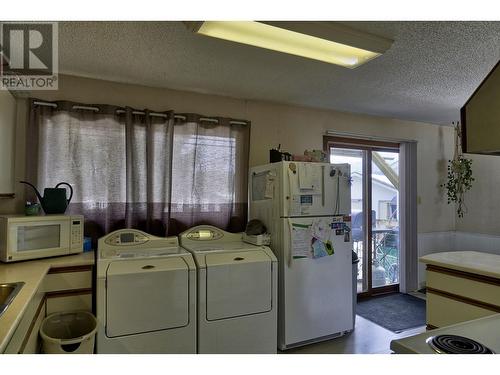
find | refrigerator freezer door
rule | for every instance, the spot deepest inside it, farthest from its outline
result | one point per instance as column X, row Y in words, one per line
column 315, row 189
column 316, row 294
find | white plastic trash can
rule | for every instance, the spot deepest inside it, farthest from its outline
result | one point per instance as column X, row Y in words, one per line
column 69, row 333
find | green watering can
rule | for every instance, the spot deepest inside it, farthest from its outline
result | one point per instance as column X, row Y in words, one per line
column 54, row 199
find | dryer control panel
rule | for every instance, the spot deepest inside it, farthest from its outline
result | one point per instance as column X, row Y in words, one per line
column 204, row 234
column 207, row 235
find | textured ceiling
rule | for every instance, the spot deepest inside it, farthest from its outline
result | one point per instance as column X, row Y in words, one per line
column 430, row 71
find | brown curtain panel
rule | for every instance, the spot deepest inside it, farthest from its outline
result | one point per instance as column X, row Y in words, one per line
column 140, row 169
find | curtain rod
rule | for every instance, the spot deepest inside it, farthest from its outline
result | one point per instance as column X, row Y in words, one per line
column 214, row 120
column 96, row 109
column 369, row 137
column 154, row 114
column 54, row 105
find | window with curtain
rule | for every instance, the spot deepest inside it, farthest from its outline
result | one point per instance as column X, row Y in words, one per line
column 209, row 173
column 158, row 172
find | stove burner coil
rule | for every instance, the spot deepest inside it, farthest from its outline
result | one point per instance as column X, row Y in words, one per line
column 453, row 344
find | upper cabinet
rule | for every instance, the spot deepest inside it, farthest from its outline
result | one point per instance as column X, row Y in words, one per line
column 480, row 117
column 7, row 139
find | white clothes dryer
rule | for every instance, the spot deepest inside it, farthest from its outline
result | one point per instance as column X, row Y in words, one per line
column 146, row 294
column 237, row 292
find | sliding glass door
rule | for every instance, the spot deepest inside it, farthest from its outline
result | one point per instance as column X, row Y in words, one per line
column 374, row 209
column 385, row 218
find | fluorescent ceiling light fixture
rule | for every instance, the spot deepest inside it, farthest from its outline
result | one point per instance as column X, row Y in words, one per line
column 324, row 41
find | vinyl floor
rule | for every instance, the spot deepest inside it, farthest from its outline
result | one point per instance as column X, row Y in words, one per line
column 367, row 338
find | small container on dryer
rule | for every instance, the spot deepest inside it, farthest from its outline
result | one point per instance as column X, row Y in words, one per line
column 259, row 240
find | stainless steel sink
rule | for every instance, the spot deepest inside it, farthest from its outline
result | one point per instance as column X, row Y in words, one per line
column 7, row 293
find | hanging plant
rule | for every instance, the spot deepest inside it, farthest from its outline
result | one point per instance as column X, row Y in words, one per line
column 459, row 176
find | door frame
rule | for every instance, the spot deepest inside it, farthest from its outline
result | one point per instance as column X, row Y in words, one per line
column 368, row 146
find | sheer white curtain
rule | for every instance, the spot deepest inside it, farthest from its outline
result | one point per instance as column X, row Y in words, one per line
column 117, row 161
column 139, row 169
column 209, row 173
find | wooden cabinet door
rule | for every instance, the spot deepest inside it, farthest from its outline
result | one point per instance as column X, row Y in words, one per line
column 33, row 341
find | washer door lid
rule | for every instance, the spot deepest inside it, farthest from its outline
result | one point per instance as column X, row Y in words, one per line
column 146, row 295
column 238, row 283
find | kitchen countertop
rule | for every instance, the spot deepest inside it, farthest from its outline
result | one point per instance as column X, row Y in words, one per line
column 476, row 262
column 32, row 272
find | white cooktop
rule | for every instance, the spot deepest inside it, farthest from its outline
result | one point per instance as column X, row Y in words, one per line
column 484, row 330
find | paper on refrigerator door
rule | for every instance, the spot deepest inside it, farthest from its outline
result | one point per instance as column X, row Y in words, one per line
column 321, row 231
column 269, row 191
column 321, row 249
column 312, row 240
column 305, row 177
column 263, row 185
column 310, row 178
column 300, row 240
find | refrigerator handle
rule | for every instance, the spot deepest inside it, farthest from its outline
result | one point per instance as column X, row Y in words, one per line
column 289, row 247
column 289, row 201
column 323, row 185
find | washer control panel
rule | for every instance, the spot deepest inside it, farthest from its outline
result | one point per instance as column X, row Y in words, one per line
column 125, row 238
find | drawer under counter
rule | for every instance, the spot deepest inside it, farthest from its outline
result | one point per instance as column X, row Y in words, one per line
column 469, row 286
column 68, row 278
column 443, row 311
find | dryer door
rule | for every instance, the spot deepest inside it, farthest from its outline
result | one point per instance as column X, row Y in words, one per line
column 238, row 283
column 146, row 295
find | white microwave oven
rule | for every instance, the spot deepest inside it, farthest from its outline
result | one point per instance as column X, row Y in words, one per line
column 32, row 237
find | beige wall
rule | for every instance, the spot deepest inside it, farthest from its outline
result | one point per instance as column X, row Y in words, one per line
column 296, row 128
column 482, row 201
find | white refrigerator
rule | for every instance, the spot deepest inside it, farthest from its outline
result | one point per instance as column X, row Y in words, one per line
column 306, row 208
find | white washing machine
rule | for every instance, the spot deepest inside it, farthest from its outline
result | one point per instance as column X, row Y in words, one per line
column 237, row 292
column 146, row 294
